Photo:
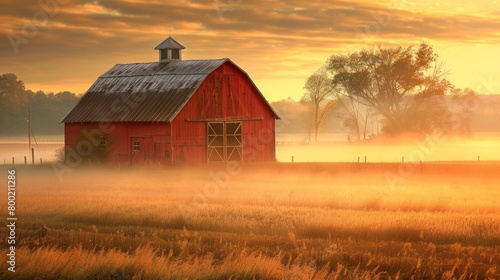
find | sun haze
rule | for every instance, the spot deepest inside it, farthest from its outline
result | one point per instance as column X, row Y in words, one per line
column 61, row 45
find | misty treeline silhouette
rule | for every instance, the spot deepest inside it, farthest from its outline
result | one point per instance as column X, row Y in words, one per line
column 402, row 89
column 46, row 109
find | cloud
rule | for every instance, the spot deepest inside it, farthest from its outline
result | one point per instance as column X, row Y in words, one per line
column 292, row 23
column 281, row 37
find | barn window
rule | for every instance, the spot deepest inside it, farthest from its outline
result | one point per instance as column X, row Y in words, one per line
column 175, row 54
column 102, row 143
column 137, row 145
column 164, row 54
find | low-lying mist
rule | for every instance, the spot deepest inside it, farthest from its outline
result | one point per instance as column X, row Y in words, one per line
column 457, row 187
column 270, row 219
column 431, row 148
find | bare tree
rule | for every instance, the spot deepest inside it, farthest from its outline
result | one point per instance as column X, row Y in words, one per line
column 355, row 115
column 465, row 101
column 319, row 96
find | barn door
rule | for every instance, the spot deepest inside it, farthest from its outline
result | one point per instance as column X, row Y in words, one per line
column 224, row 142
column 234, row 145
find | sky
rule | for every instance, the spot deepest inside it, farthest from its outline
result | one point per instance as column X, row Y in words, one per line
column 57, row 45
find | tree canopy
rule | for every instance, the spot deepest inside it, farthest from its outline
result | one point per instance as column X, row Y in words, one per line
column 46, row 110
column 12, row 91
column 404, row 85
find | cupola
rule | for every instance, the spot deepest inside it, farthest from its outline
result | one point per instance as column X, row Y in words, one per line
column 169, row 50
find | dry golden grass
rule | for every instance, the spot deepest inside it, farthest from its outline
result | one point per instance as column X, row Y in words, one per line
column 274, row 221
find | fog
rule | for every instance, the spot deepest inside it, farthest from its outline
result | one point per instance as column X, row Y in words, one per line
column 332, row 149
column 20, row 149
column 486, row 147
column 207, row 219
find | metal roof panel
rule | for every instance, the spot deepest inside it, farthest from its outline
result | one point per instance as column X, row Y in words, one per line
column 169, row 43
column 142, row 92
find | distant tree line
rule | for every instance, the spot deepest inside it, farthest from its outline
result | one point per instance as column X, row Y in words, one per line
column 403, row 89
column 46, row 109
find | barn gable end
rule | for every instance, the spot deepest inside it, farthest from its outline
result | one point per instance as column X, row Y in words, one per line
column 227, row 96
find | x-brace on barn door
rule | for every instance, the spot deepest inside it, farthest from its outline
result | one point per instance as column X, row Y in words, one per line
column 224, row 142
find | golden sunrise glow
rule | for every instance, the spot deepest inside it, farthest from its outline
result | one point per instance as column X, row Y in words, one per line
column 278, row 43
column 370, row 168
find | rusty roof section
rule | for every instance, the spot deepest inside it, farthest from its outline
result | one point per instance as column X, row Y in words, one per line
column 169, row 43
column 145, row 92
column 142, row 92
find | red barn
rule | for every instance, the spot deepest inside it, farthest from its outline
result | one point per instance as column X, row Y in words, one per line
column 172, row 112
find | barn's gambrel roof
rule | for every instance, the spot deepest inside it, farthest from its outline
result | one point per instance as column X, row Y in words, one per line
column 144, row 92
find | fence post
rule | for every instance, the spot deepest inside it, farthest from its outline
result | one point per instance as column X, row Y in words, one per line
column 25, row 161
column 13, row 161
column 33, row 156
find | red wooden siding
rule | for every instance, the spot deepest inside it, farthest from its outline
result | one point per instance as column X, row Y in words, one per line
column 154, row 139
column 226, row 94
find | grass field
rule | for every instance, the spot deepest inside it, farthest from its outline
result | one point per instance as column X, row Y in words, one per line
column 273, row 221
